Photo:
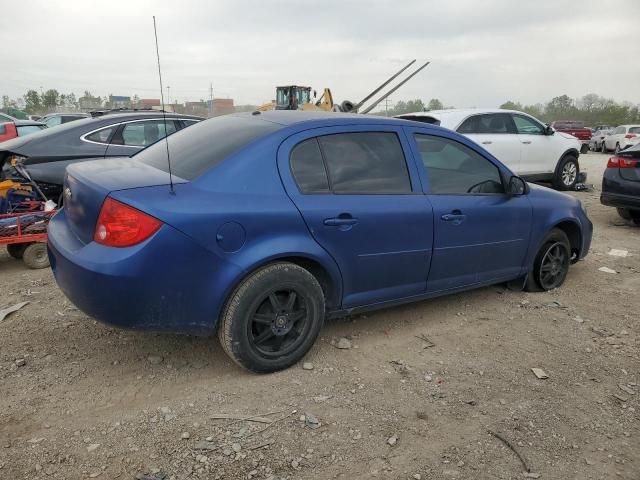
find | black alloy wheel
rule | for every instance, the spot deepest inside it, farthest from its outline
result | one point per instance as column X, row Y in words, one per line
column 554, row 266
column 279, row 324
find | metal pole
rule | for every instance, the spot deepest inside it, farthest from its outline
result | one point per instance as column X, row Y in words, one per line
column 393, row 77
column 374, row 104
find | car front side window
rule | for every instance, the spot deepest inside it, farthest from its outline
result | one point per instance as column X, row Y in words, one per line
column 455, row 169
column 527, row 126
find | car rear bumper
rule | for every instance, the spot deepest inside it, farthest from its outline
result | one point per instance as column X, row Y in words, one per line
column 167, row 283
column 620, row 201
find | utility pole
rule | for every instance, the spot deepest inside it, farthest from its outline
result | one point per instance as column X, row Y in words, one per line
column 168, row 96
column 210, row 100
column 386, row 106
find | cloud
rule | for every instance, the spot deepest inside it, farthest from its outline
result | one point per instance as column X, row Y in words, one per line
column 482, row 53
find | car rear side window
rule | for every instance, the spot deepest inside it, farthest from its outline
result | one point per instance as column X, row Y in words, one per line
column 307, row 167
column 490, row 123
column 200, row 147
column 365, row 163
column 455, row 169
column 101, row 136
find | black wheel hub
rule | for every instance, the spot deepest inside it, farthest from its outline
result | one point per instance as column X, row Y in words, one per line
column 279, row 323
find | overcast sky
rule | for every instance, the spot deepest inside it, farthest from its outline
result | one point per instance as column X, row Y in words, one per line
column 482, row 52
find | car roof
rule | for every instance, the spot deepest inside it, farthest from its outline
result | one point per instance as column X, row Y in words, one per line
column 295, row 117
column 450, row 118
column 85, row 125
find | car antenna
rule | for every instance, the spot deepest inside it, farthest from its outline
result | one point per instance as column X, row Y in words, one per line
column 164, row 113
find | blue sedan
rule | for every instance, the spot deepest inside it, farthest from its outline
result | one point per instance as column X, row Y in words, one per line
column 270, row 222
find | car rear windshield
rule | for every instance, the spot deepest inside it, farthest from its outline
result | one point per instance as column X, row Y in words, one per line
column 200, row 147
column 634, row 130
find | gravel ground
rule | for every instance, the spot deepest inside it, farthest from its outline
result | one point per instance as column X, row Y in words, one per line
column 414, row 395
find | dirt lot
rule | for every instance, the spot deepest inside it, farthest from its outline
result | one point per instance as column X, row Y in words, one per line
column 81, row 400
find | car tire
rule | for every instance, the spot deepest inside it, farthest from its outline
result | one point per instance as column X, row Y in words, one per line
column 603, row 147
column 567, row 171
column 551, row 264
column 35, row 256
column 272, row 318
column 624, row 213
column 631, row 215
column 617, row 149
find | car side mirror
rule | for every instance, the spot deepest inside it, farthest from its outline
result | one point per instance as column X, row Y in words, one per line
column 517, row 186
column 548, row 130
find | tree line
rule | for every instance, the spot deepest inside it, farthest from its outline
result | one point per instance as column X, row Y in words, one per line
column 592, row 109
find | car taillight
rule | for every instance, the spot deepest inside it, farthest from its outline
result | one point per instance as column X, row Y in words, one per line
column 621, row 162
column 120, row 225
column 630, row 135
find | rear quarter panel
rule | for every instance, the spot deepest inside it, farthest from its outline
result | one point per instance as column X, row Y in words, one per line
column 238, row 211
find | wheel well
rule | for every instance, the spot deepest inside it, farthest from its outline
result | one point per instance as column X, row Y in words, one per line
column 572, row 231
column 321, row 274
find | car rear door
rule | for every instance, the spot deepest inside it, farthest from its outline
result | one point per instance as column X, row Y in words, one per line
column 481, row 234
column 496, row 133
column 133, row 136
column 361, row 201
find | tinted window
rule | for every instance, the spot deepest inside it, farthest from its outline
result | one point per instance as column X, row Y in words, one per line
column 453, row 168
column 634, row 130
column 202, row 146
column 308, row 168
column 27, row 129
column 101, row 136
column 368, row 162
column 527, row 126
column 141, row 134
column 490, row 123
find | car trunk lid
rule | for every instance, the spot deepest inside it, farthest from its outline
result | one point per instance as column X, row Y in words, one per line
column 87, row 184
column 629, row 164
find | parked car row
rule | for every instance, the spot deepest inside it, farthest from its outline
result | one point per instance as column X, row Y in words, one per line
column 529, row 148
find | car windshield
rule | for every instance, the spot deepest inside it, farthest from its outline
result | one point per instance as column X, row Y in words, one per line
column 204, row 145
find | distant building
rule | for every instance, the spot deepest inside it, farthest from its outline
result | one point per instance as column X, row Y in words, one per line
column 221, row 106
column 117, row 101
column 149, row 103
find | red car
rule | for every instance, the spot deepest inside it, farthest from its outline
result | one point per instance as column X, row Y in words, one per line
column 19, row 128
column 575, row 128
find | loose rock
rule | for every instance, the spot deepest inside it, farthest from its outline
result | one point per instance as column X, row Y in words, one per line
column 155, row 359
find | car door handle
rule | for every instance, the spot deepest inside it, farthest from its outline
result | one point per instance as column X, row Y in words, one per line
column 340, row 221
column 487, row 142
column 456, row 217
column 526, row 142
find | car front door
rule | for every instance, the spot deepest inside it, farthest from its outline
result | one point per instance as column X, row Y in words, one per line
column 481, row 233
column 361, row 201
column 496, row 133
column 133, row 136
column 538, row 152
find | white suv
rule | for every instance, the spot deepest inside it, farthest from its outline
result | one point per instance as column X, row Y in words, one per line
column 529, row 148
column 622, row 137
